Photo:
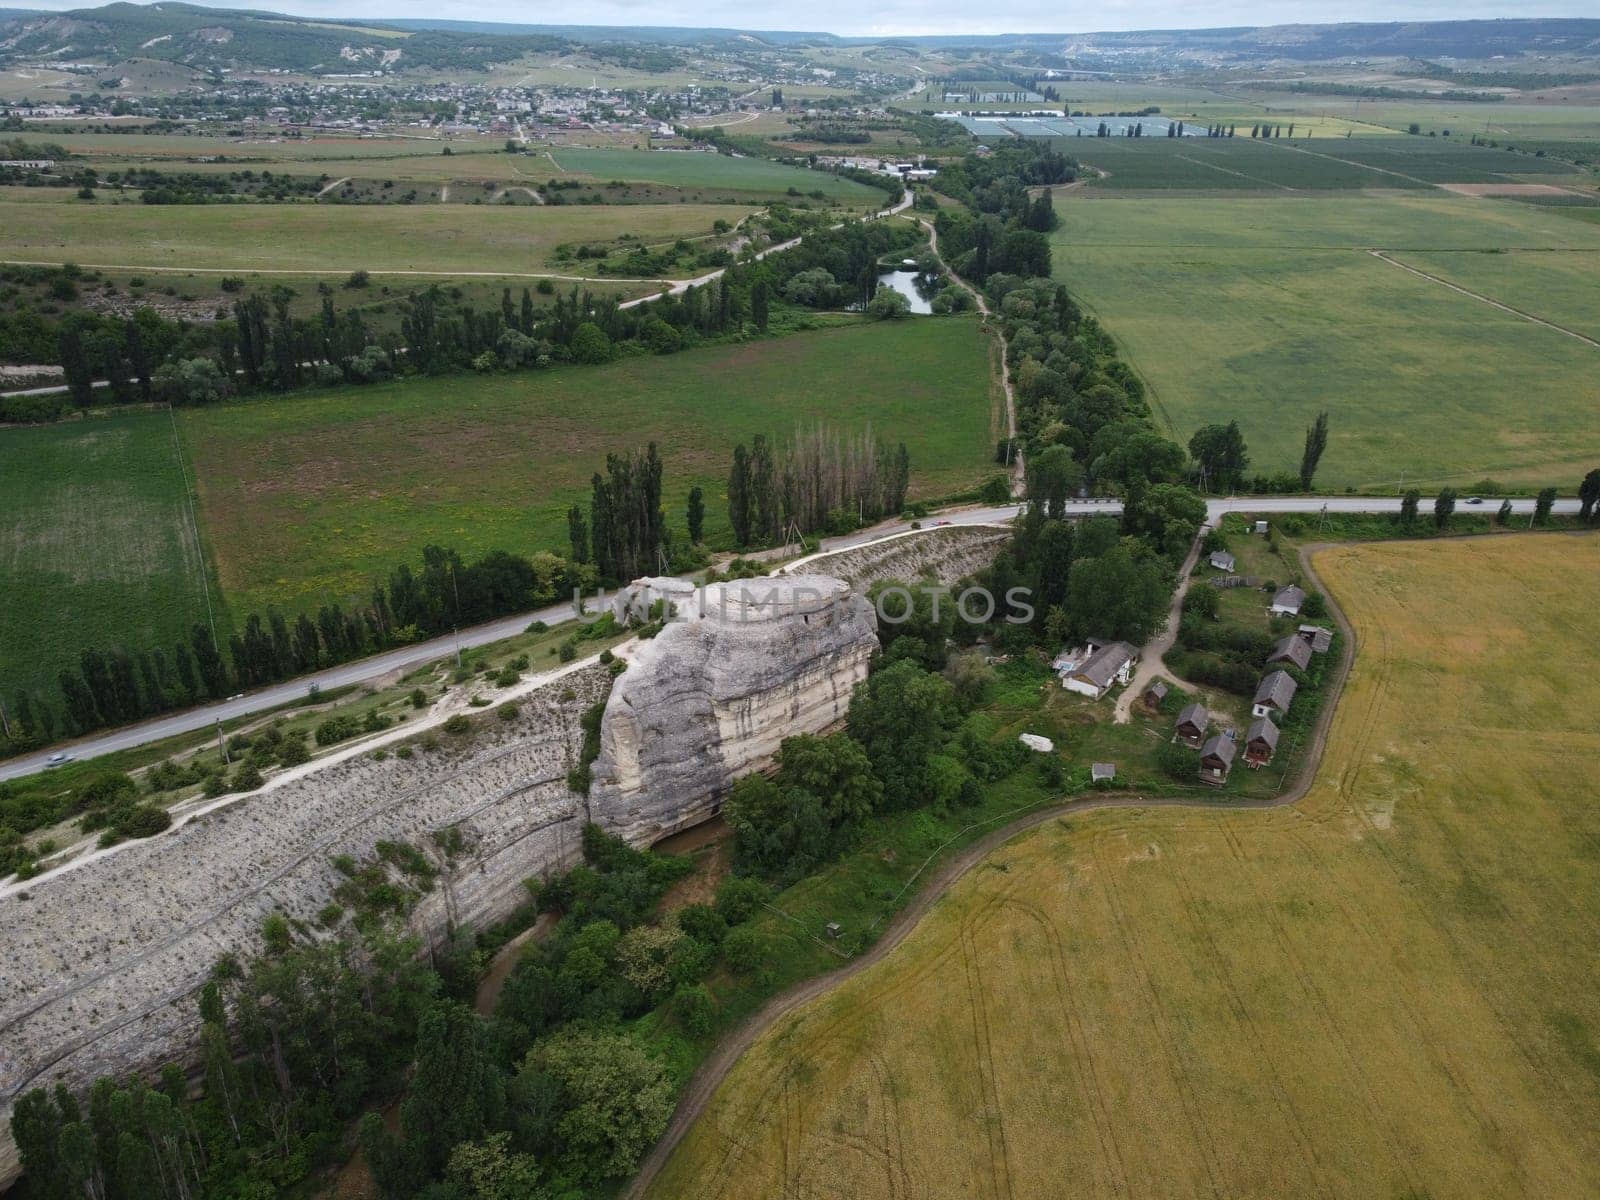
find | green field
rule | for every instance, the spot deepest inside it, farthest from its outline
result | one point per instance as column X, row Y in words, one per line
column 313, row 496
column 1242, row 163
column 689, row 169
column 1562, row 288
column 1267, row 310
column 439, row 239
column 96, row 545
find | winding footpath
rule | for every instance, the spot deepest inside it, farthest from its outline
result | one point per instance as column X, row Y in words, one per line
column 703, row 1084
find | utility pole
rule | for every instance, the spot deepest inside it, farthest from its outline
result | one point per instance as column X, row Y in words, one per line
column 222, row 745
column 5, row 725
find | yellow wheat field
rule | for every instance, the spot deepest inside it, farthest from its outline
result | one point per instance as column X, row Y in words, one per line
column 1391, row 990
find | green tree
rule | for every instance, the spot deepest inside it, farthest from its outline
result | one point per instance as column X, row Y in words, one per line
column 491, row 1170
column 1115, row 595
column 739, row 496
column 1409, row 504
column 577, row 534
column 1221, row 454
column 1589, row 494
column 1316, row 443
column 597, row 1099
column 590, row 344
column 1167, row 515
column 1053, row 475
column 1542, row 504
column 1443, row 506
column 888, row 305
column 457, row 1092
column 760, row 302
column 697, row 514
column 900, row 715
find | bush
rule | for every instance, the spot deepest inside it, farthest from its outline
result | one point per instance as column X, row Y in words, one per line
column 744, row 949
column 738, row 899
column 1177, row 761
column 694, row 1008
column 457, row 725
column 336, row 729
column 247, row 778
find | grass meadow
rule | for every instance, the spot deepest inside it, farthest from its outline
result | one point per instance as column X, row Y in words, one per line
column 96, row 544
column 435, row 238
column 1380, row 991
column 1268, row 310
column 306, row 498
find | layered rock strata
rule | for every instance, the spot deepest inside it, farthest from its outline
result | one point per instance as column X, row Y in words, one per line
column 740, row 667
column 100, row 963
column 945, row 555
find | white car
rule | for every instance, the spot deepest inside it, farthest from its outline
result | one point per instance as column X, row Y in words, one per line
column 1474, row 499
column 61, row 758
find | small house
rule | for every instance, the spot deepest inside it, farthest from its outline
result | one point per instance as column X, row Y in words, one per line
column 1105, row 668
column 1102, row 772
column 1292, row 649
column 1274, row 694
column 1223, row 561
column 1261, row 742
column 1193, row 722
column 1261, row 528
column 1318, row 637
column 833, row 929
column 1287, row 602
column 1155, row 694
column 1216, row 759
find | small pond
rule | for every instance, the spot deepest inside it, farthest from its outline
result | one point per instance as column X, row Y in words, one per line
column 918, row 289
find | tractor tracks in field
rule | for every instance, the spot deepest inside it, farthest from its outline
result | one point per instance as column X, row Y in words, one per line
column 703, row 1084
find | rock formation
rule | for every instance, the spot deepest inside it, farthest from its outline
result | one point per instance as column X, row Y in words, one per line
column 101, row 962
column 741, row 666
column 946, row 554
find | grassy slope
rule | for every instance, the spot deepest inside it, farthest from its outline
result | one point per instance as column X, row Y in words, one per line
column 95, row 544
column 323, row 238
column 1369, row 994
column 1268, row 310
column 314, row 495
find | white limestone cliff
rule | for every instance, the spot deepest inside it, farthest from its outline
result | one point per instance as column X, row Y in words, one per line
column 741, row 667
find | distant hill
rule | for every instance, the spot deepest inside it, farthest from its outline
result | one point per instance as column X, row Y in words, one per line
column 211, row 37
column 208, row 38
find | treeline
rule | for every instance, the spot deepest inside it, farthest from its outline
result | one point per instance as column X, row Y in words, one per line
column 266, row 346
column 115, row 686
column 820, row 480
column 1003, row 230
column 1084, row 425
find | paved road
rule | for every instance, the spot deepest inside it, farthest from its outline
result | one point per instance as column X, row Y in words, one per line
column 407, row 657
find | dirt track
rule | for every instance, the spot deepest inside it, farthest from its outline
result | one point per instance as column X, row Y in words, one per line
column 715, row 1068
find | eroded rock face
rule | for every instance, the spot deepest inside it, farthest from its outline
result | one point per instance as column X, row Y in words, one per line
column 743, row 666
column 101, row 964
column 946, row 555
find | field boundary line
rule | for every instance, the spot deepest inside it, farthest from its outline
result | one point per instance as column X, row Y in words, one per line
column 1516, row 312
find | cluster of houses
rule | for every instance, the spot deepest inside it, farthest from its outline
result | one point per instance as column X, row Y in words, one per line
column 1270, row 704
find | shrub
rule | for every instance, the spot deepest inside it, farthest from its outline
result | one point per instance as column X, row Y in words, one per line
column 507, row 711
column 457, row 725
column 247, row 778
column 694, row 1008
column 336, row 729
column 738, row 899
column 744, row 949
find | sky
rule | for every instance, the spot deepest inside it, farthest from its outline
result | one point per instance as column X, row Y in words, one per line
column 892, row 17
